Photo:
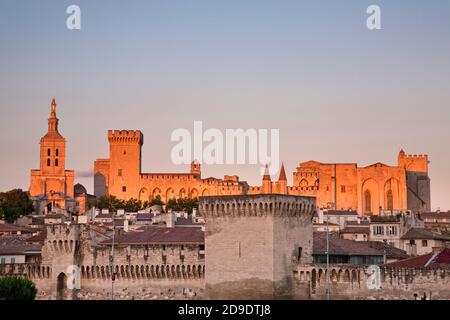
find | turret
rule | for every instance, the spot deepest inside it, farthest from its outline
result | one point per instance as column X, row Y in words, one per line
column 413, row 163
column 266, row 182
column 282, row 181
column 196, row 168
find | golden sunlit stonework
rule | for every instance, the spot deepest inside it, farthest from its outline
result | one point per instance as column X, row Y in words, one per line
column 369, row 190
column 52, row 186
column 343, row 186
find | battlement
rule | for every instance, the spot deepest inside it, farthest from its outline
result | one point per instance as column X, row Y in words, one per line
column 63, row 232
column 125, row 136
column 256, row 205
column 414, row 162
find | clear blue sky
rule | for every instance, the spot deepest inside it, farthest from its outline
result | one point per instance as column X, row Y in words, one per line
column 337, row 91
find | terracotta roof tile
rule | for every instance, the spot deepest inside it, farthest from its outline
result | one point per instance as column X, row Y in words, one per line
column 423, row 233
column 154, row 234
column 338, row 246
column 430, row 260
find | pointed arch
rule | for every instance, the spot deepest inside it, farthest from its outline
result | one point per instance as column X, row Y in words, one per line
column 170, row 194
column 194, row 193
column 144, row 195
column 156, row 192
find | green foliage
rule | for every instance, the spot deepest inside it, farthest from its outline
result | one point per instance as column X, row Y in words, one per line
column 14, row 204
column 108, row 202
column 182, row 204
column 156, row 201
column 130, row 205
column 15, row 288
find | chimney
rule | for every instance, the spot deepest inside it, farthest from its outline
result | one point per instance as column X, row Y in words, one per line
column 170, row 220
column 320, row 214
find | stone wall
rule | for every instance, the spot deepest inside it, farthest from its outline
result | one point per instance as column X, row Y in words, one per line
column 357, row 283
column 253, row 242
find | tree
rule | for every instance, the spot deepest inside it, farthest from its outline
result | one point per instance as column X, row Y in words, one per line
column 132, row 205
column 14, row 204
column 156, row 201
column 108, row 202
column 182, row 204
column 15, row 288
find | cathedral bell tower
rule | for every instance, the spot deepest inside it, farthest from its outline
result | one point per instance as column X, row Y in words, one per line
column 52, row 184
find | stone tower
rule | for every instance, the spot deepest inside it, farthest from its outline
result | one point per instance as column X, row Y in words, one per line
column 61, row 252
column 196, row 168
column 417, row 179
column 253, row 243
column 124, row 162
column 266, row 182
column 52, row 185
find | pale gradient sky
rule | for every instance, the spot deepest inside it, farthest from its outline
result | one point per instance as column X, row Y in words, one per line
column 337, row 91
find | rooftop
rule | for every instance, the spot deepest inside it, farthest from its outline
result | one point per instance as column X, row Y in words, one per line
column 435, row 215
column 12, row 228
column 423, row 233
column 341, row 213
column 365, row 230
column 18, row 245
column 433, row 259
column 161, row 235
column 343, row 247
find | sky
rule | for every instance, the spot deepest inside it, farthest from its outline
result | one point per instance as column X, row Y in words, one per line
column 337, row 91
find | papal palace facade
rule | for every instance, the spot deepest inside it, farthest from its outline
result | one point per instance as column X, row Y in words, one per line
column 341, row 186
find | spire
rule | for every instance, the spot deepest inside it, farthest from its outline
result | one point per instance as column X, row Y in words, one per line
column 282, row 173
column 53, row 113
column 53, row 120
column 266, row 173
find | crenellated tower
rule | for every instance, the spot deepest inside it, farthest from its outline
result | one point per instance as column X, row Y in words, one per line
column 125, row 148
column 417, row 179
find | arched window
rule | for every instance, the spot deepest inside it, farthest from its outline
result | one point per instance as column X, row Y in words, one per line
column 368, row 201
column 56, row 162
column 390, row 200
column 48, row 152
column 57, row 152
column 316, row 184
column 48, row 162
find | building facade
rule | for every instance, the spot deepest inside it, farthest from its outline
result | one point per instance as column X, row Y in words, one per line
column 369, row 190
column 52, row 186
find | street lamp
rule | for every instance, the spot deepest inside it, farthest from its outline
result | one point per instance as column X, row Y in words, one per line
column 113, row 272
column 328, row 290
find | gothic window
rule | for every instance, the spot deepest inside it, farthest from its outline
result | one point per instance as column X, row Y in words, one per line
column 303, row 183
column 57, row 152
column 368, row 201
column 48, row 162
column 48, row 152
column 390, row 200
column 56, row 162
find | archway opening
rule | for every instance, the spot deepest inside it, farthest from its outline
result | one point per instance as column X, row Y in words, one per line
column 61, row 286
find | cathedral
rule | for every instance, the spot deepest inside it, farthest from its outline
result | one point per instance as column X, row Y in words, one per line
column 52, row 186
column 370, row 190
